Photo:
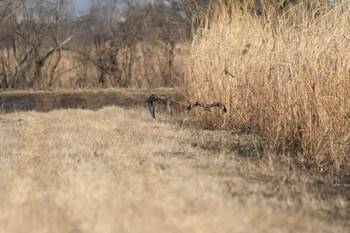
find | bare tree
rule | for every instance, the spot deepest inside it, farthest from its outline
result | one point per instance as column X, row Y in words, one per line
column 115, row 41
column 113, row 26
column 8, row 11
column 35, row 31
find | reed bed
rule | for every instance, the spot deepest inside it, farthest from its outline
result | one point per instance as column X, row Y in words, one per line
column 284, row 75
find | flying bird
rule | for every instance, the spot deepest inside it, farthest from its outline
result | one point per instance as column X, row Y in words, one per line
column 156, row 98
column 207, row 107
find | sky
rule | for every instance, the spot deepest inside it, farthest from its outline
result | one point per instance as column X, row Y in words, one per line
column 82, row 5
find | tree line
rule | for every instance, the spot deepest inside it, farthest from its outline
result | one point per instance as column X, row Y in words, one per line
column 44, row 43
column 115, row 43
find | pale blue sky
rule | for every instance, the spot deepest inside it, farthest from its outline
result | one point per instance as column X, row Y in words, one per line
column 82, row 4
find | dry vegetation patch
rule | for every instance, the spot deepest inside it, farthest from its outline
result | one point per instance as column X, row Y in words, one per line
column 285, row 76
column 117, row 169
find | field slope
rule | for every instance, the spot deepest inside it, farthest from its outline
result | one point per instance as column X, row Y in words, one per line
column 118, row 170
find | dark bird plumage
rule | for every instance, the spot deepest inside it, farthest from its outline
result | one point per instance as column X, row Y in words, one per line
column 207, row 107
column 156, row 98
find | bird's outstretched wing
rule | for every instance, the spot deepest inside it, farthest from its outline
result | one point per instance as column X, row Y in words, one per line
column 159, row 98
column 190, row 107
column 151, row 108
column 219, row 105
column 162, row 99
column 196, row 104
column 156, row 98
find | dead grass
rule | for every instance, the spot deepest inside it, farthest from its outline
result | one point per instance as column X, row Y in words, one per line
column 118, row 170
column 285, row 76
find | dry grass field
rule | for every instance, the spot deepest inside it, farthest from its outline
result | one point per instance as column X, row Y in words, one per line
column 118, row 170
column 277, row 161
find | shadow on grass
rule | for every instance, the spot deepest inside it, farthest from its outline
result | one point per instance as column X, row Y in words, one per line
column 90, row 99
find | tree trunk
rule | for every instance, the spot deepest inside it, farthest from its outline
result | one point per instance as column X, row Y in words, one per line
column 130, row 63
column 170, row 56
column 52, row 77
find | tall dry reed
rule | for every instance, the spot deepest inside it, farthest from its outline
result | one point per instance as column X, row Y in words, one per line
column 286, row 76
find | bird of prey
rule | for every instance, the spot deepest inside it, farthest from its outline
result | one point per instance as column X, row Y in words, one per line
column 207, row 107
column 156, row 98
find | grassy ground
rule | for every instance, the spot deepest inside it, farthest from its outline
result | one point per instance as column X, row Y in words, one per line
column 118, row 170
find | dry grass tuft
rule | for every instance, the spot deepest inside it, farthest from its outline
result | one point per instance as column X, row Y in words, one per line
column 286, row 76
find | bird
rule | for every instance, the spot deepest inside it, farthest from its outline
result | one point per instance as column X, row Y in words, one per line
column 207, row 107
column 156, row 98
